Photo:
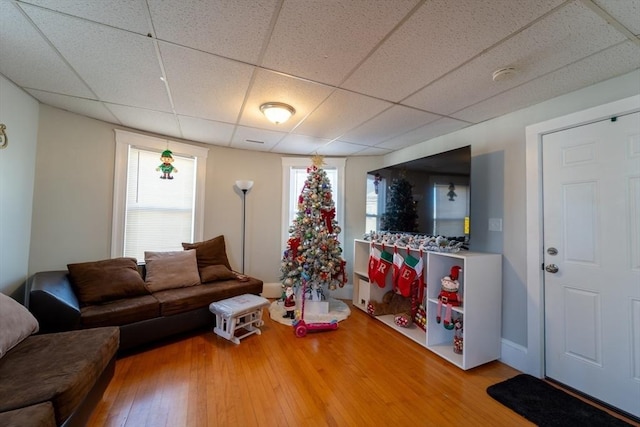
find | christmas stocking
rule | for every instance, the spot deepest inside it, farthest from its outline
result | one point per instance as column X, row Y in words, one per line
column 374, row 259
column 384, row 266
column 398, row 260
column 408, row 274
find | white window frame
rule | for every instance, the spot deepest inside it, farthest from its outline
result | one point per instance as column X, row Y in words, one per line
column 381, row 202
column 124, row 141
column 289, row 163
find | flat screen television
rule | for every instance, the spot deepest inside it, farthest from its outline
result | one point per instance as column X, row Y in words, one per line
column 439, row 191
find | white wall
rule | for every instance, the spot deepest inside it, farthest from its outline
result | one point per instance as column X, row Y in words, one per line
column 504, row 138
column 19, row 112
column 73, row 201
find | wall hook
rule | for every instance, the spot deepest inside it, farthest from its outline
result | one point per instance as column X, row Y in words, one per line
column 4, row 140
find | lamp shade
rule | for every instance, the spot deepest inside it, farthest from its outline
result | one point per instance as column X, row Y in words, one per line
column 277, row 112
column 244, row 185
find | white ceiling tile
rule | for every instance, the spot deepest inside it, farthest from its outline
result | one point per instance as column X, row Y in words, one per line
column 29, row 61
column 627, row 12
column 85, row 107
column 147, row 120
column 434, row 129
column 125, row 14
column 207, row 131
column 341, row 112
column 230, row 28
column 391, row 123
column 299, row 144
column 373, row 151
column 440, row 36
column 620, row 59
column 553, row 42
column 340, row 148
column 324, row 41
column 120, row 67
column 302, row 95
column 205, row 85
column 255, row 139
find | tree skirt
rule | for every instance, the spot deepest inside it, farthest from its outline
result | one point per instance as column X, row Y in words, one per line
column 338, row 310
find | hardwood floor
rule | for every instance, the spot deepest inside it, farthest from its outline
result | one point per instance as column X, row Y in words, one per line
column 362, row 374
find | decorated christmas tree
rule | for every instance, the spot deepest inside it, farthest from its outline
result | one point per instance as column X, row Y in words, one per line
column 313, row 250
column 400, row 213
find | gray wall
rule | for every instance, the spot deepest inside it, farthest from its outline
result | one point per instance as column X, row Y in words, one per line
column 19, row 112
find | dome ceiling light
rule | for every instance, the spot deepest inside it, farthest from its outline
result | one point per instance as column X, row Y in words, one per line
column 277, row 112
column 503, row 74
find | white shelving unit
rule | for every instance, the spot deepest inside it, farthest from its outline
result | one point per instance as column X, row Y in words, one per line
column 480, row 289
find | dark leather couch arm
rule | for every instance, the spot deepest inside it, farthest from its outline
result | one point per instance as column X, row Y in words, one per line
column 50, row 297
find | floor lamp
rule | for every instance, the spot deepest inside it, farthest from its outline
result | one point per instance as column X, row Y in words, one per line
column 244, row 186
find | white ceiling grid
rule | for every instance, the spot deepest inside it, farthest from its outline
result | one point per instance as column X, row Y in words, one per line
column 365, row 77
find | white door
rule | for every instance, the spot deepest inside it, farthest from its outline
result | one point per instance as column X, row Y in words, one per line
column 591, row 183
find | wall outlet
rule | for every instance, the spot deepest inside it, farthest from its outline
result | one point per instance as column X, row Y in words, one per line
column 495, row 224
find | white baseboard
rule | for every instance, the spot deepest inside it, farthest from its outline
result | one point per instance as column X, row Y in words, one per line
column 514, row 355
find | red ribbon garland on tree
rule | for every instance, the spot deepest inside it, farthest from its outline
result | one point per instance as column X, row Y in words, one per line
column 328, row 216
column 293, row 246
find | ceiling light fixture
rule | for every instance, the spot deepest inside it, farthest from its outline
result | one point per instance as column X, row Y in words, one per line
column 277, row 112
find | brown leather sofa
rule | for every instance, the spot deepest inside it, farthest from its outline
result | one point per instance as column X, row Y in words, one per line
column 142, row 319
column 169, row 294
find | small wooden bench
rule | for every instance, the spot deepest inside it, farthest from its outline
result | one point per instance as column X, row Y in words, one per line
column 242, row 314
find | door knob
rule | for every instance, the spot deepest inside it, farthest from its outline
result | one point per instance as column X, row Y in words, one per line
column 551, row 268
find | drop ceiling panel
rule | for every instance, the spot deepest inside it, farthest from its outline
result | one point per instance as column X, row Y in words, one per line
column 341, row 112
column 28, row 60
column 340, row 148
column 255, row 139
column 299, row 144
column 440, row 36
column 85, row 107
column 373, row 151
column 119, row 66
column 324, row 41
column 205, row 85
column 147, row 120
column 233, row 29
column 206, row 131
column 616, row 60
column 553, row 42
column 627, row 12
column 391, row 123
column 434, row 129
column 125, row 14
column 302, row 95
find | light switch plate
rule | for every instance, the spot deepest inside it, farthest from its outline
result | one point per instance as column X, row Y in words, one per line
column 495, row 224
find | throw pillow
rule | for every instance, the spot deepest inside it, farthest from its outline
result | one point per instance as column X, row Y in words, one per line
column 210, row 252
column 213, row 273
column 106, row 280
column 17, row 323
column 169, row 270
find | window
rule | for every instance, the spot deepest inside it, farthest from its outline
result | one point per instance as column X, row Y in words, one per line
column 294, row 174
column 153, row 214
column 376, row 196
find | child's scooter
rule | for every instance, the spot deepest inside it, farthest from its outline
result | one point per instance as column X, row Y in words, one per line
column 300, row 327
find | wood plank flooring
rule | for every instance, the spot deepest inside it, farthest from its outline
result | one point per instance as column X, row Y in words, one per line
column 362, row 374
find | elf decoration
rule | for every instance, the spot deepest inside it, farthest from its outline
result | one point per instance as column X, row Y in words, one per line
column 449, row 296
column 313, row 249
column 166, row 167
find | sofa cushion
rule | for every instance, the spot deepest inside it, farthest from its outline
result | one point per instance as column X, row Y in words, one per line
column 120, row 312
column 61, row 368
column 180, row 300
column 169, row 270
column 214, row 273
column 210, row 252
column 106, row 280
column 40, row 415
column 17, row 323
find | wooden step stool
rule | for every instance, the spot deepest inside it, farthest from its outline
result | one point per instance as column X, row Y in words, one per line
column 241, row 312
